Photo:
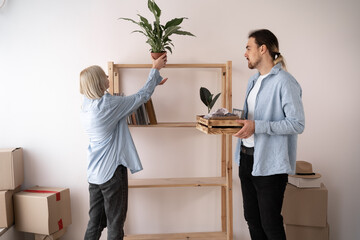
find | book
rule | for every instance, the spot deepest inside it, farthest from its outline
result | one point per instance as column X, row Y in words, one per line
column 305, row 182
column 151, row 112
column 146, row 115
column 133, row 119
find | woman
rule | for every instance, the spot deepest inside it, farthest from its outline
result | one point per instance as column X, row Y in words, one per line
column 111, row 149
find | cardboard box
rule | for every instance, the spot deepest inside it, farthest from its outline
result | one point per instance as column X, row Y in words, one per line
column 11, row 168
column 53, row 236
column 294, row 232
column 305, row 182
column 305, row 206
column 7, row 208
column 42, row 210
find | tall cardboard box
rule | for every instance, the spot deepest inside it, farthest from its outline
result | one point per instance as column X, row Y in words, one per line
column 11, row 168
column 305, row 206
column 42, row 210
column 295, row 232
column 7, row 208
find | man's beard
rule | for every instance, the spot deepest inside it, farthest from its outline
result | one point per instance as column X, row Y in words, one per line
column 253, row 65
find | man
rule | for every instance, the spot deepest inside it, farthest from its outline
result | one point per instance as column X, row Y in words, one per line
column 266, row 150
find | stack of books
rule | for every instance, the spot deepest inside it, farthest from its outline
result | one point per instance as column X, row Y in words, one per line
column 144, row 115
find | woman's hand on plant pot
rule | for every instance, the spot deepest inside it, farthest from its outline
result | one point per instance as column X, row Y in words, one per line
column 160, row 62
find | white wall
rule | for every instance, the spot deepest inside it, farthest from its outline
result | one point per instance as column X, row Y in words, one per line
column 44, row 44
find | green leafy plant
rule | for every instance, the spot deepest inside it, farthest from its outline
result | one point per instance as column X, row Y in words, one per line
column 157, row 34
column 207, row 98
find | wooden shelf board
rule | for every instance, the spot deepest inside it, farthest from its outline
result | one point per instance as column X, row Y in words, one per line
column 168, row 124
column 177, row 182
column 179, row 236
column 200, row 65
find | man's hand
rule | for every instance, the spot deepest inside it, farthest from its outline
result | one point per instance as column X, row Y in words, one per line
column 247, row 130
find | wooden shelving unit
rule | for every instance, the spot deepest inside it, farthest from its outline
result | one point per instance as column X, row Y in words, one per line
column 225, row 179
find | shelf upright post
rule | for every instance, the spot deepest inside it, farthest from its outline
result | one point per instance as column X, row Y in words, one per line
column 224, row 204
column 229, row 155
column 111, row 77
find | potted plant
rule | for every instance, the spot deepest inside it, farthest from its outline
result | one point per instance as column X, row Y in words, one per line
column 158, row 35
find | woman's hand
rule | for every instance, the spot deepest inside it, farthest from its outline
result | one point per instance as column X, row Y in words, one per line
column 160, row 62
column 163, row 81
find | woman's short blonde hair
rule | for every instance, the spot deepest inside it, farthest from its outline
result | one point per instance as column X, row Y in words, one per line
column 93, row 81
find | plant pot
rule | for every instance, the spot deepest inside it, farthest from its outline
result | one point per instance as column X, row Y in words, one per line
column 157, row 55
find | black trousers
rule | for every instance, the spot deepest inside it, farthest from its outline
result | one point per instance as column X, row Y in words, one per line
column 108, row 207
column 262, row 201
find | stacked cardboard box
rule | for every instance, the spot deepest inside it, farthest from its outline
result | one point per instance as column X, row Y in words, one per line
column 305, row 213
column 43, row 211
column 11, row 178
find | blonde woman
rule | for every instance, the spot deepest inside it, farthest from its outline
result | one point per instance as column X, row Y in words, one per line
column 111, row 149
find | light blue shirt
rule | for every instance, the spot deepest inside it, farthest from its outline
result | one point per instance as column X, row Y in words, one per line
column 110, row 141
column 279, row 118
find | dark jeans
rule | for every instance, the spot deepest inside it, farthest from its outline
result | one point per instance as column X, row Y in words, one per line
column 262, row 200
column 108, row 206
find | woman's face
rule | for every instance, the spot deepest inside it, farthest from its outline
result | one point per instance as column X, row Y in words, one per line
column 107, row 82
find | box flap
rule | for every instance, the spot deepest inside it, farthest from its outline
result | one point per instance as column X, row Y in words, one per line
column 6, row 209
column 9, row 150
column 11, row 168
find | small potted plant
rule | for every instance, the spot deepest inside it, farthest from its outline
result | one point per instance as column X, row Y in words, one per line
column 158, row 35
column 220, row 121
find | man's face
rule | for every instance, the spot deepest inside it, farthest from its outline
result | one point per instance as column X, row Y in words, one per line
column 252, row 53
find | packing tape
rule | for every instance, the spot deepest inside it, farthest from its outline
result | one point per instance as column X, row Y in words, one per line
column 60, row 223
column 45, row 191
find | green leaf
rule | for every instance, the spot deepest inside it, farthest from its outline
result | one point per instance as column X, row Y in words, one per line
column 213, row 101
column 154, row 8
column 145, row 24
column 143, row 19
column 174, row 22
column 157, row 9
column 184, row 33
column 171, row 30
column 138, row 31
column 169, row 48
column 151, row 6
column 129, row 19
column 204, row 95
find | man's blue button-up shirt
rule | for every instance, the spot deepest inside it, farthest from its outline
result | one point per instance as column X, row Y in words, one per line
column 279, row 118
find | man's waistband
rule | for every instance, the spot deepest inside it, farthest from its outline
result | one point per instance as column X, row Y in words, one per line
column 247, row 150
